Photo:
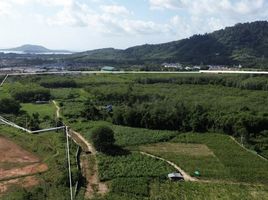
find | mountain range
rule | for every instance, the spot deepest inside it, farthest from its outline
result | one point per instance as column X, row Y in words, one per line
column 245, row 44
column 34, row 49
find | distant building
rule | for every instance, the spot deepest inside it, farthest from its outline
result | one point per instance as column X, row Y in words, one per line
column 108, row 69
column 172, row 65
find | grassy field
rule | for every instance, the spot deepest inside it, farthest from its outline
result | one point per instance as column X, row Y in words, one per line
column 206, row 191
column 131, row 165
column 126, row 136
column 43, row 109
column 132, row 176
column 215, row 156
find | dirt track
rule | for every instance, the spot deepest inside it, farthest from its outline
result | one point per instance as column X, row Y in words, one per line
column 89, row 166
column 186, row 176
column 88, row 163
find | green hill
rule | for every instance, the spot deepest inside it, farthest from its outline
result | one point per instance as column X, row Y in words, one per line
column 245, row 44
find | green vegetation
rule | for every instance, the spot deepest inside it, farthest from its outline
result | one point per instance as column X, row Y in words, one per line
column 234, row 162
column 208, row 191
column 9, row 106
column 44, row 110
column 50, row 147
column 125, row 136
column 29, row 93
column 135, row 186
column 131, row 165
column 156, row 113
column 103, row 138
column 219, row 158
column 244, row 44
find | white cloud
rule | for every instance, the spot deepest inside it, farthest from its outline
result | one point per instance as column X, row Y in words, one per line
column 115, row 10
column 113, row 19
column 165, row 4
column 72, row 14
column 205, row 7
column 5, row 8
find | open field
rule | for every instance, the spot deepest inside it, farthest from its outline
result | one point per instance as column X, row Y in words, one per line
column 126, row 136
column 144, row 118
column 47, row 148
column 17, row 162
column 43, row 109
column 219, row 157
column 207, row 191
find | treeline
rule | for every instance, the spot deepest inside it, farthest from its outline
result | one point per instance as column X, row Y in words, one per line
column 121, row 95
column 243, row 82
column 59, row 84
column 166, row 115
column 179, row 116
column 30, row 93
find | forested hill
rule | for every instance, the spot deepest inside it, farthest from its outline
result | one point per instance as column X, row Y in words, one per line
column 245, row 44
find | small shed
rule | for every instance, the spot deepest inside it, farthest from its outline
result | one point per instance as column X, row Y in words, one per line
column 108, row 69
column 175, row 176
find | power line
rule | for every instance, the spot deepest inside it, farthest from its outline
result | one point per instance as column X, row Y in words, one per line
column 69, row 162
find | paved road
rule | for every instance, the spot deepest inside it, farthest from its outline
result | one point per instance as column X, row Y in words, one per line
column 141, row 72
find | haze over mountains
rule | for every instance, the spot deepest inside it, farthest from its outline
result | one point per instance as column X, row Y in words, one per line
column 34, row 49
column 245, row 44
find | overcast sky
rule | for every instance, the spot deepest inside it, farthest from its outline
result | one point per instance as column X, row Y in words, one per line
column 90, row 24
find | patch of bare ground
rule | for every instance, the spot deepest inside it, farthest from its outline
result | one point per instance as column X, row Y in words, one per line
column 24, row 182
column 17, row 166
column 90, row 172
column 88, row 163
column 13, row 153
column 89, row 167
column 23, row 171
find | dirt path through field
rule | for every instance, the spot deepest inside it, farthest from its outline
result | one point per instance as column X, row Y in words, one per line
column 89, row 167
column 57, row 109
column 247, row 149
column 186, row 176
column 88, row 163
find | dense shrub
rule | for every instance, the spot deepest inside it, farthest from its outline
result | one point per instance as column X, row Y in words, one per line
column 9, row 106
column 242, row 82
column 103, row 138
column 29, row 94
column 59, row 84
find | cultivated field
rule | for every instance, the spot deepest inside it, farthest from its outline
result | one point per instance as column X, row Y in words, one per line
column 184, row 119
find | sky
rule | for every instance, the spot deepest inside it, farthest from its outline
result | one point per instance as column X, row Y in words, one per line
column 91, row 24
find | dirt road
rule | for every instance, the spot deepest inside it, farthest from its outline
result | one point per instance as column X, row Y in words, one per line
column 57, row 109
column 186, row 176
column 88, row 163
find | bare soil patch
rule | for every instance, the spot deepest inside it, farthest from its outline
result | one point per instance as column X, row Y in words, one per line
column 23, row 171
column 90, row 172
column 17, row 166
column 184, row 149
column 13, row 153
column 24, row 182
